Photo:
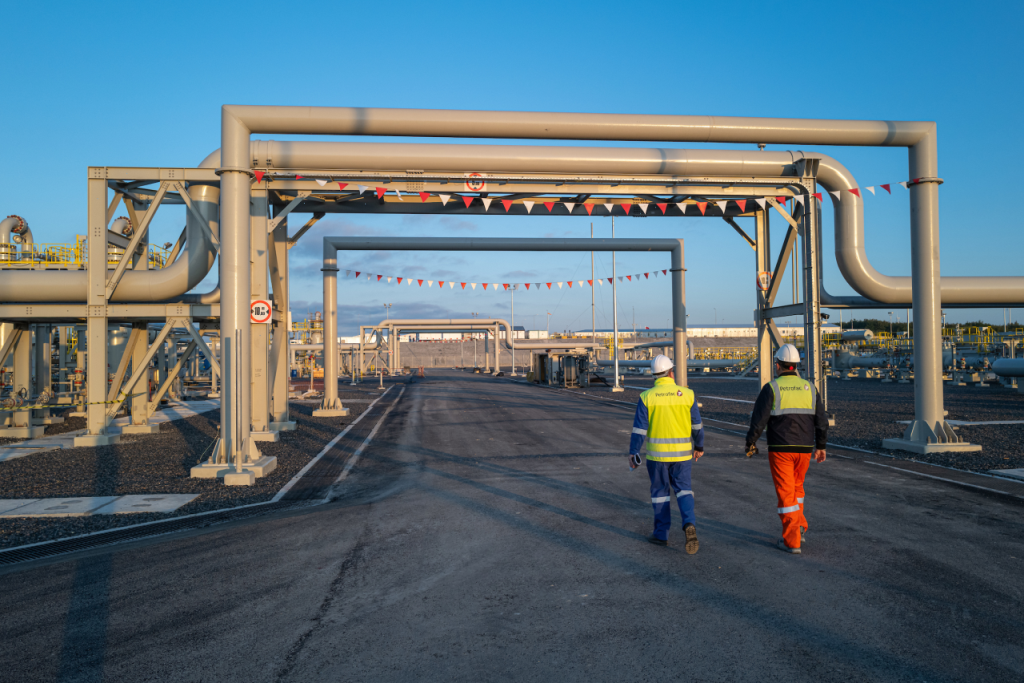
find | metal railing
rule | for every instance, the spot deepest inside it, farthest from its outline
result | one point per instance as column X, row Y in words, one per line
column 69, row 256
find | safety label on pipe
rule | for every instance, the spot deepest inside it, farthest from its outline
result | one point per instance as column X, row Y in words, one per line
column 259, row 311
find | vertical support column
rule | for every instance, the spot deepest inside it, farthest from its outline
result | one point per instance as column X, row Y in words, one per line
column 679, row 314
column 762, row 260
column 140, row 400
column 812, row 295
column 929, row 432
column 497, row 350
column 280, row 365
column 331, row 404
column 96, row 326
column 487, row 357
column 259, row 379
column 43, row 363
column 21, row 385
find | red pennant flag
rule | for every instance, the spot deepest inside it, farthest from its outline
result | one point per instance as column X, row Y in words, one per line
column 463, row 284
column 440, row 284
column 485, row 285
column 702, row 206
column 527, row 286
column 626, row 206
column 342, row 186
column 914, row 181
column 589, row 208
column 468, row 201
column 610, row 281
column 379, row 277
column 549, row 285
column 421, row 282
column 298, row 177
column 399, row 280
column 886, row 188
column 550, row 205
column 590, row 282
column 507, row 203
column 647, row 276
column 506, row 287
column 856, row 191
column 357, row 273
column 663, row 207
column 380, row 191
column 570, row 284
column 629, row 277
column 259, row 176
column 424, row 196
column 664, row 271
column 742, row 203
column 781, row 200
column 817, row 195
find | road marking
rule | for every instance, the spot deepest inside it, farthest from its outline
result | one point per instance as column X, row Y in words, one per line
column 287, row 487
column 951, row 481
column 366, row 442
column 722, row 398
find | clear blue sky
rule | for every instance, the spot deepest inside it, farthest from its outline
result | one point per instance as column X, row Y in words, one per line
column 141, row 85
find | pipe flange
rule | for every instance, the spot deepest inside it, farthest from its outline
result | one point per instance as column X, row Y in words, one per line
column 919, row 181
column 329, row 270
column 234, row 169
column 20, row 227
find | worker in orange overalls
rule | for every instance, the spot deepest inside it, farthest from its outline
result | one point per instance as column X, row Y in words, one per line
column 797, row 427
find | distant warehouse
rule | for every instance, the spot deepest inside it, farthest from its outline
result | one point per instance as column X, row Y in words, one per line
column 710, row 331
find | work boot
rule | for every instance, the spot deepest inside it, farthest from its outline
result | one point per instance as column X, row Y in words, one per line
column 803, row 537
column 657, row 541
column 782, row 546
column 692, row 544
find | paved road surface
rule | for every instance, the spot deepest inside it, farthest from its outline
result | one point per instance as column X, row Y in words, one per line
column 493, row 532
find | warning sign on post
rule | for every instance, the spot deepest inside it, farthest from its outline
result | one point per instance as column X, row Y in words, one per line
column 259, row 311
column 475, row 182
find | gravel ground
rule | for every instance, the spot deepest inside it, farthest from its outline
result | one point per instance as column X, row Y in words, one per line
column 868, row 411
column 156, row 463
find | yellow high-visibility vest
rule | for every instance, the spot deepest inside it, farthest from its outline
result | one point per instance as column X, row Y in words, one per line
column 793, row 396
column 668, row 418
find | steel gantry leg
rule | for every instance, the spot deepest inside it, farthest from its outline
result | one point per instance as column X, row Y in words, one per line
column 331, row 404
column 259, row 379
column 280, row 367
column 762, row 259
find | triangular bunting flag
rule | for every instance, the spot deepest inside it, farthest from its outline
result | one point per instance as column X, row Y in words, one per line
column 817, row 195
column 647, row 276
column 421, row 282
column 430, row 283
column 855, row 191
column 601, row 282
column 570, row 284
column 441, row 284
column 380, row 191
column 527, row 286
column 451, row 285
column 904, row 185
column 259, row 176
column 570, row 206
column 870, row 188
column 643, row 207
column 835, row 194
column 886, row 188
column 664, row 271
column 620, row 278
column 444, row 199
column 529, row 206
column 485, row 285
column 347, row 273
column 408, row 281
column 362, row 188
column 762, row 202
column 536, row 285
column 682, row 208
column 299, row 177
column 506, row 287
column 549, row 285
column 590, row 208
column 722, row 205
column 424, row 196
column 357, row 273
column 590, row 282
column 550, row 205
column 468, row 201
column 742, row 203
column 507, row 203
column 608, row 206
column 473, row 285
column 799, row 199
column 389, row 279
column 663, row 207
column 379, row 277
column 781, row 200
column 655, row 273
column 626, row 206
column 487, row 202
column 463, row 284
column 321, row 182
column 494, row 285
column 610, row 281
column 560, row 284
column 628, row 277
column 703, row 206
column 342, row 186
column 399, row 280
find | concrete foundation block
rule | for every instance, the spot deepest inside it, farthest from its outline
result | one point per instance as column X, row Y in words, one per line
column 290, row 426
column 33, row 432
column 265, row 436
column 331, row 412
column 922, row 448
column 210, row 470
column 140, row 429
column 96, row 440
column 48, row 420
column 262, row 467
column 235, row 478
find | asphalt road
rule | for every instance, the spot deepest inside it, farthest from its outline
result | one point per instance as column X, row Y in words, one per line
column 492, row 531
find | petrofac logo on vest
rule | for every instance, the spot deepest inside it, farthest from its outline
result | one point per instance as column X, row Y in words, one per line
column 679, row 393
column 805, row 387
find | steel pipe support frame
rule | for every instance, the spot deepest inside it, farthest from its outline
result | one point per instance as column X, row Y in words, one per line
column 331, row 404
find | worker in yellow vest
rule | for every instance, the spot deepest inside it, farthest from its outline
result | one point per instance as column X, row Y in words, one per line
column 668, row 418
column 797, row 426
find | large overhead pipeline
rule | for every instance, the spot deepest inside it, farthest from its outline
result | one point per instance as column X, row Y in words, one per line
column 851, row 255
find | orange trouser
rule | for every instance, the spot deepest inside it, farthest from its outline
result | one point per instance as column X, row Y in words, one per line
column 788, row 471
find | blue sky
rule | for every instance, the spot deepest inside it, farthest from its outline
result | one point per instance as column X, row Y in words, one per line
column 99, row 84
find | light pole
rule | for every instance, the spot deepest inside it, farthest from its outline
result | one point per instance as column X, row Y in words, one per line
column 548, row 319
column 615, row 317
column 890, row 324
column 387, row 314
column 512, row 332
column 475, row 315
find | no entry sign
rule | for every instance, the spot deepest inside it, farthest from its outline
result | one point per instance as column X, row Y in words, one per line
column 475, row 182
column 259, row 311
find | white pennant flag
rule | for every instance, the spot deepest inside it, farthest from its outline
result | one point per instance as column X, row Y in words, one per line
column 904, row 185
column 799, row 199
column 537, row 285
column 579, row 282
column 560, row 284
column 368, row 276
column 398, row 192
column 389, row 279
column 836, row 195
column 408, row 281
column 320, row 181
column 637, row 276
column 870, row 188
column 608, row 206
column 473, row 285
column 620, row 278
column 451, row 285
column 487, row 202
column 601, row 281
column 655, row 273
column 347, row 273
column 495, row 286
column 570, row 205
column 444, row 199
column 529, row 206
column 722, row 205
column 361, row 188
column 761, row 202
column 643, row 207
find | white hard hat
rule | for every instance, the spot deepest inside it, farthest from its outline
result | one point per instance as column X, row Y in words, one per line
column 787, row 354
column 660, row 364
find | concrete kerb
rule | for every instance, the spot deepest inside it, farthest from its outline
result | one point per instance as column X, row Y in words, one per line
column 276, row 499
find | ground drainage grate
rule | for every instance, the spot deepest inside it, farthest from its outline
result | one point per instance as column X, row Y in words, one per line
column 134, row 533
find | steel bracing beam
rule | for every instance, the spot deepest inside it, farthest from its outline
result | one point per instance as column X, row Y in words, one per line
column 140, row 233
